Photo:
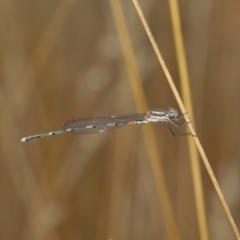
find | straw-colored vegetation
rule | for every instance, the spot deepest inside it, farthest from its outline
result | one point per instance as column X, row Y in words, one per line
column 64, row 59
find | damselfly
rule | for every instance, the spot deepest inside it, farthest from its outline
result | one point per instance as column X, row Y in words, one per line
column 107, row 123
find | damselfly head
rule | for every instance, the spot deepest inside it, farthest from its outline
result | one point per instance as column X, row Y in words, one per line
column 172, row 113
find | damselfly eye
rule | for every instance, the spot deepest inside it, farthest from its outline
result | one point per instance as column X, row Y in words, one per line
column 172, row 113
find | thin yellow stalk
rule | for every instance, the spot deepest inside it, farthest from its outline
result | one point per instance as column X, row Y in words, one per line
column 182, row 107
column 187, row 99
column 148, row 132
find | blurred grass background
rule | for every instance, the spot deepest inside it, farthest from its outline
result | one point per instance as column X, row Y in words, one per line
column 63, row 59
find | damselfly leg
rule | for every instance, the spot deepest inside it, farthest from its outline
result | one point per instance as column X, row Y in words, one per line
column 182, row 124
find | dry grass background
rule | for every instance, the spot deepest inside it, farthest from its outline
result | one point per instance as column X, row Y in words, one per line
column 63, row 59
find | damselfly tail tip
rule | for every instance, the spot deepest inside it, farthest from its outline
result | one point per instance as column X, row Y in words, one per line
column 26, row 139
column 22, row 140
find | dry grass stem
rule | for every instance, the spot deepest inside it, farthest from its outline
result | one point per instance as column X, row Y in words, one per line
column 141, row 103
column 186, row 93
column 182, row 107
